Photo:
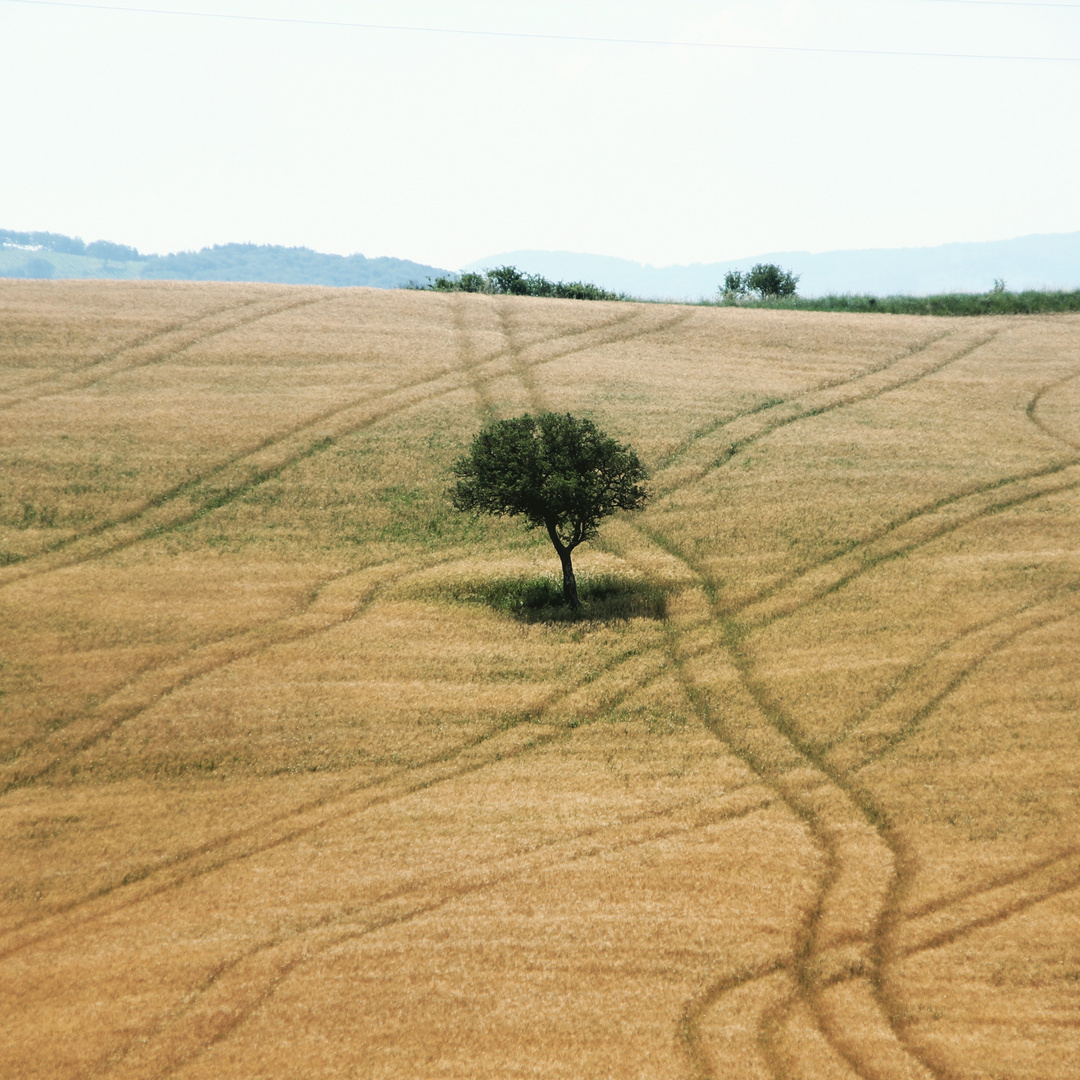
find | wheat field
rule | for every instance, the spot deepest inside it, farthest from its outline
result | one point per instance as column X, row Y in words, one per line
column 288, row 792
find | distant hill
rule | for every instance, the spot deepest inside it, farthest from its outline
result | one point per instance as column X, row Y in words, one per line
column 288, row 266
column 48, row 255
column 1029, row 262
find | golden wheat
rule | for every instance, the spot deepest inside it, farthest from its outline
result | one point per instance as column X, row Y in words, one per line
column 289, row 787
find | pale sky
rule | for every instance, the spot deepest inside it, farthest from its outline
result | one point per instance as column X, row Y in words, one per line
column 171, row 131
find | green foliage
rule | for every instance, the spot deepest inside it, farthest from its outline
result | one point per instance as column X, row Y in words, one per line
column 766, row 279
column 560, row 472
column 995, row 302
column 580, row 290
column 509, row 281
column 67, row 245
column 105, row 249
column 516, row 596
column 734, row 285
column 471, row 282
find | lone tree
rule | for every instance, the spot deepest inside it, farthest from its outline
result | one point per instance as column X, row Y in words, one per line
column 559, row 472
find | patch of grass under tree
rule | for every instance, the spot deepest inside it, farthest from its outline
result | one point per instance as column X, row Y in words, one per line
column 539, row 598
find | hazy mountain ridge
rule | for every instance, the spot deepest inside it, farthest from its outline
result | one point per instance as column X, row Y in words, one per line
column 287, row 266
column 1044, row 261
column 47, row 255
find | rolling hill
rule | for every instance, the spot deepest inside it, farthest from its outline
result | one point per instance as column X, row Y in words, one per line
column 297, row 781
column 49, row 255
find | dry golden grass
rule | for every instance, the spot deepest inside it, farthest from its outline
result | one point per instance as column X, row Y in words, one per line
column 285, row 791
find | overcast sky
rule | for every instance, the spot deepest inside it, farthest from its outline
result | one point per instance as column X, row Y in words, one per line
column 171, row 131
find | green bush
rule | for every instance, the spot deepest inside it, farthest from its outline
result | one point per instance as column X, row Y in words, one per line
column 471, row 282
column 733, row 284
column 510, row 281
column 766, row 279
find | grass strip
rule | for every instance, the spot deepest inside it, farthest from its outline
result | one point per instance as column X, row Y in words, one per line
column 1031, row 302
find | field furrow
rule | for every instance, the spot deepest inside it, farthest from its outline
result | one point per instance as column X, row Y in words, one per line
column 601, row 690
column 305, row 774
column 157, row 349
column 253, row 466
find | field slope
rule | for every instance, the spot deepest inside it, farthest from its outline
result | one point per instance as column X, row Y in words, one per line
column 293, row 782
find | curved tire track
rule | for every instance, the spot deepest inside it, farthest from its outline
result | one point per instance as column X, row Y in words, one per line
column 41, row 756
column 892, row 721
column 842, row 827
column 853, row 989
column 902, row 537
column 247, row 983
column 724, row 442
column 98, row 728
column 840, row 973
column 792, row 419
column 158, row 347
column 564, row 710
column 140, row 342
column 256, row 988
column 1033, row 411
column 192, row 499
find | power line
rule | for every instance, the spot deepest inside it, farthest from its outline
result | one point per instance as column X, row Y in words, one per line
column 1001, row 3
column 522, row 35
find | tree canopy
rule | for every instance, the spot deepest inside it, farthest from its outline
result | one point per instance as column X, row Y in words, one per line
column 766, row 279
column 560, row 472
column 510, row 281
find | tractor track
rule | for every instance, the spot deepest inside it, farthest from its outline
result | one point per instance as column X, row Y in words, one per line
column 232, row 647
column 880, row 1064
column 254, row 465
column 896, row 1057
column 259, row 991
column 210, row 1021
column 16, row 396
column 807, row 982
column 159, row 347
column 222, row 652
column 179, row 672
column 827, row 824
column 899, row 1057
column 315, row 814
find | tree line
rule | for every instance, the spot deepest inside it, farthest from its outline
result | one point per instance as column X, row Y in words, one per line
column 69, row 245
column 510, row 281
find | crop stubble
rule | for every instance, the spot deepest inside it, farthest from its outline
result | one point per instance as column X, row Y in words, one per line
column 274, row 803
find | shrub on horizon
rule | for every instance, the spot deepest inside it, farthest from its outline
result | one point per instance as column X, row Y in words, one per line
column 766, row 279
column 510, row 281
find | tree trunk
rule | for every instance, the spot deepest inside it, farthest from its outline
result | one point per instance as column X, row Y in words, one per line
column 569, row 582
